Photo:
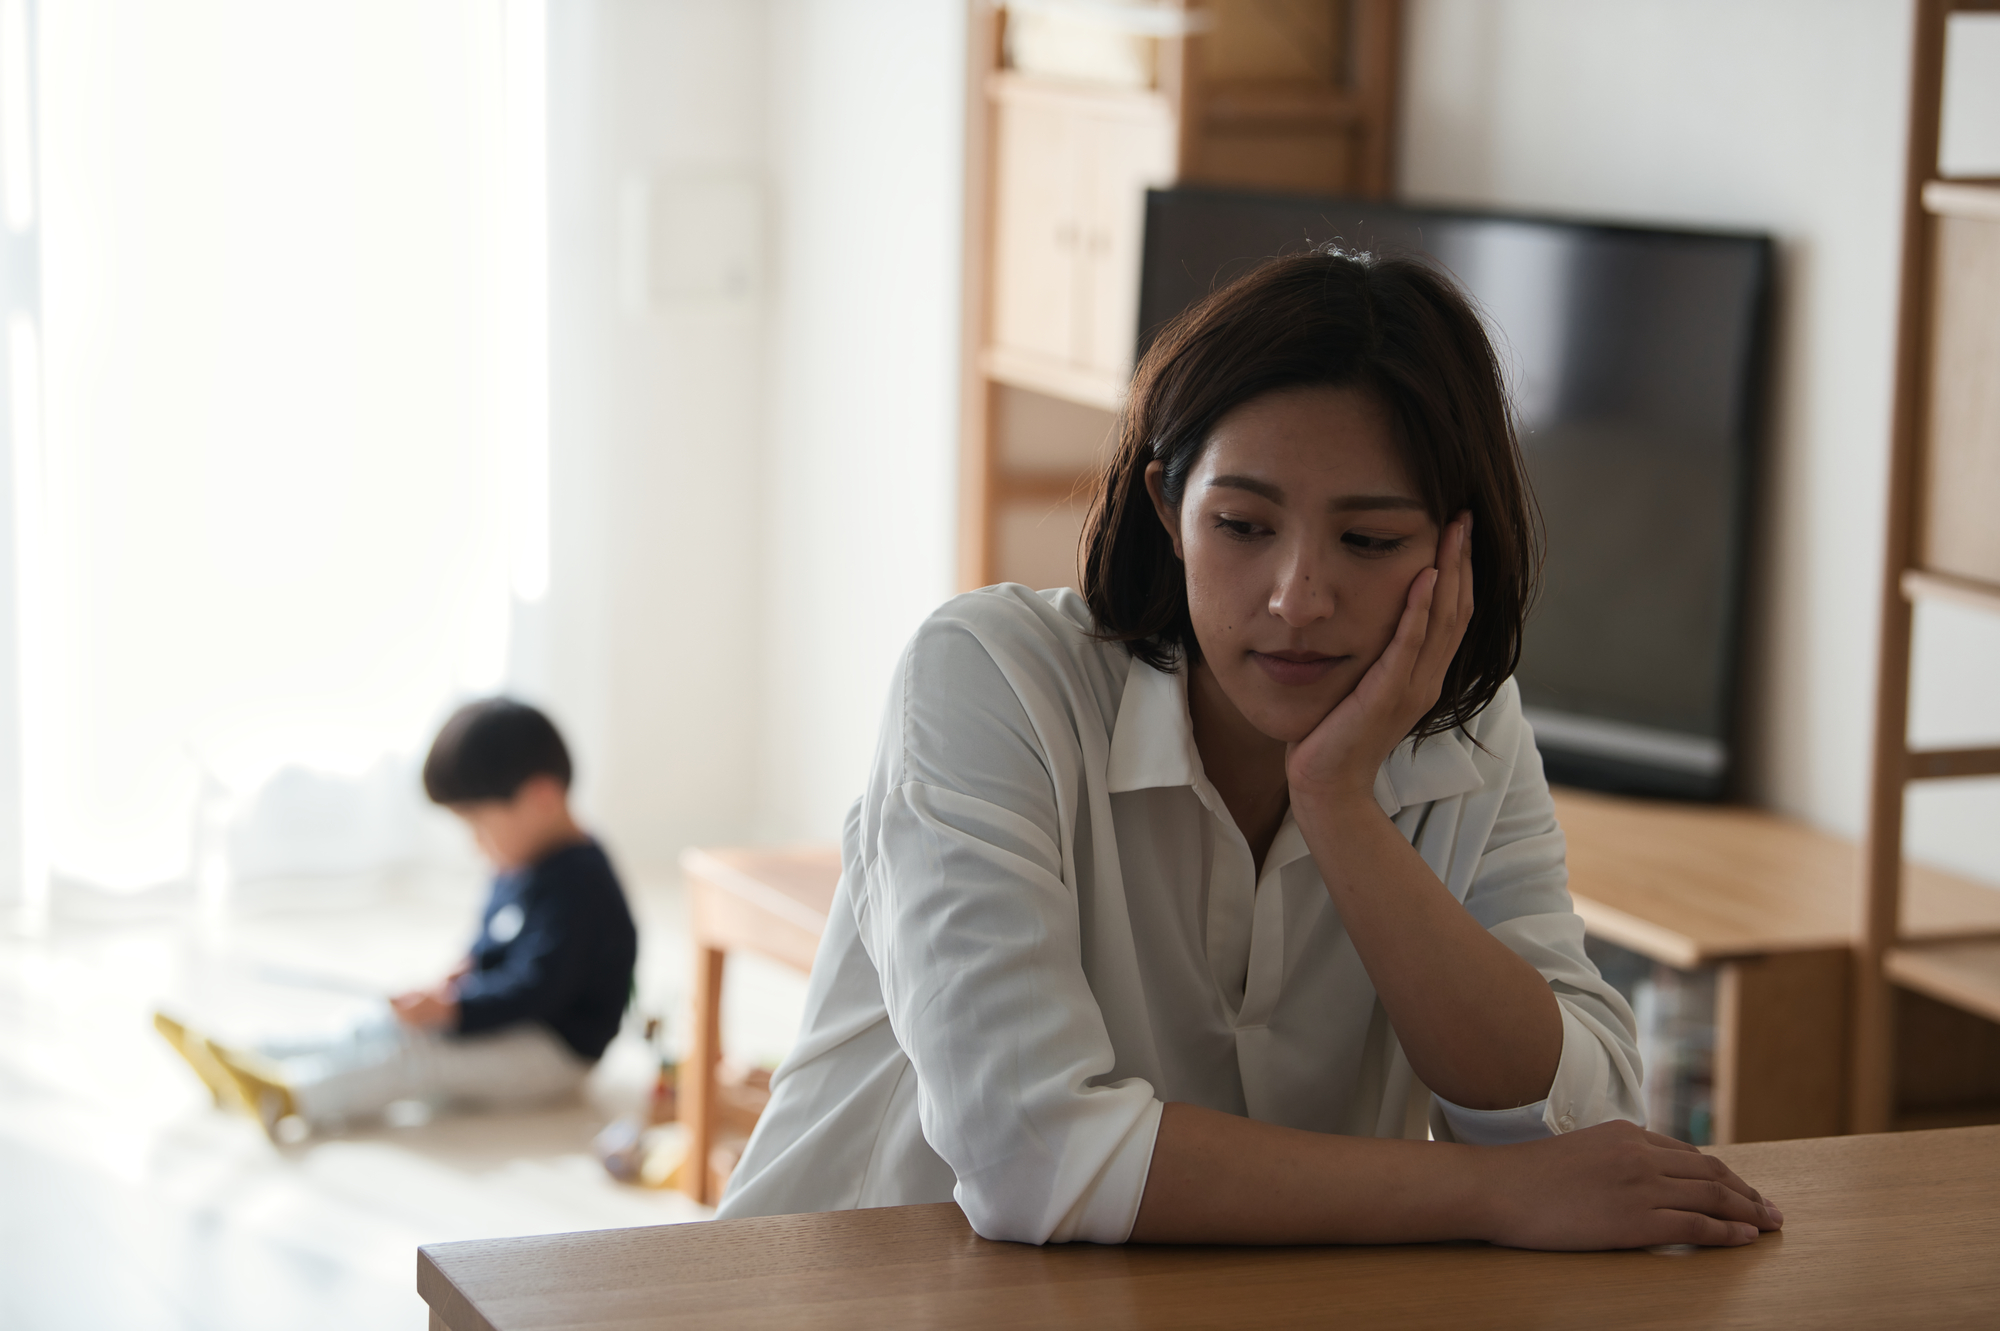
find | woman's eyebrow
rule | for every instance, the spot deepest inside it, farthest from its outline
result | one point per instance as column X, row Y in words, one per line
column 1342, row 504
column 1359, row 503
column 1250, row 483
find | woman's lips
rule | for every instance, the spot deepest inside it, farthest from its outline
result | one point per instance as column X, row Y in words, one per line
column 1295, row 668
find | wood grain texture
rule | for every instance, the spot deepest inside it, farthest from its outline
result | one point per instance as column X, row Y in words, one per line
column 1921, row 586
column 1961, row 450
column 1938, row 764
column 1941, row 472
column 1877, row 922
column 1781, row 1046
column 772, row 901
column 1956, row 198
column 1692, row 884
column 1947, row 1061
column 976, row 398
column 1880, row 1231
column 1966, row 975
column 695, row 1086
column 1264, row 94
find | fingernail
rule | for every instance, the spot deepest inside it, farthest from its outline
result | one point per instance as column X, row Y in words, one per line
column 1748, row 1233
column 1777, row 1216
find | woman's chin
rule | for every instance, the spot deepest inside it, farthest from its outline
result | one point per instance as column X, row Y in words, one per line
column 1290, row 720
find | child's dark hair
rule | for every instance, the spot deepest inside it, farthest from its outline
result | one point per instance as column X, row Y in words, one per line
column 1396, row 328
column 489, row 749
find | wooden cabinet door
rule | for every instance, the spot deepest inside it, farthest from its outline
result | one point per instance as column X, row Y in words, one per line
column 1124, row 157
column 1035, row 230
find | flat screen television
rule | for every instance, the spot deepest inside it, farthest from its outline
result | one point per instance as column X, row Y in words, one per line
column 1634, row 359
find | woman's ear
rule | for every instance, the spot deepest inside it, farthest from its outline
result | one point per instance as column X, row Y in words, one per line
column 1170, row 517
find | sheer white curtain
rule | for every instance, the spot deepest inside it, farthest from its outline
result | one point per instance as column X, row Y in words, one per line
column 294, row 307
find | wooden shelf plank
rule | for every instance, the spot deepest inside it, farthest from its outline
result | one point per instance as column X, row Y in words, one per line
column 1693, row 884
column 1097, row 98
column 1935, row 764
column 1939, row 906
column 1039, row 374
column 1965, row 975
column 1920, row 585
column 1054, row 486
column 1234, row 105
column 1978, row 200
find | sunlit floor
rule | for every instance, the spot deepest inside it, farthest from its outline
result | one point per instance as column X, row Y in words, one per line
column 127, row 1201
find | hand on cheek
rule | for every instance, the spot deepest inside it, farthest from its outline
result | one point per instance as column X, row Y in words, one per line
column 1339, row 759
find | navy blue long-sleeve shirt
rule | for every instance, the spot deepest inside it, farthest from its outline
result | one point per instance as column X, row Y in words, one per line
column 556, row 945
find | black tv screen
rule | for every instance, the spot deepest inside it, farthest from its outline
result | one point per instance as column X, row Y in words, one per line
column 1634, row 357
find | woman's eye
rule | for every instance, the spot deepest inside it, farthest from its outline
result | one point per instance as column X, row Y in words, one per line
column 1361, row 543
column 1238, row 529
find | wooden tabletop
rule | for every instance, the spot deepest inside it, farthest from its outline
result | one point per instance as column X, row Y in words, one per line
column 1690, row 884
column 1894, row 1230
column 793, row 883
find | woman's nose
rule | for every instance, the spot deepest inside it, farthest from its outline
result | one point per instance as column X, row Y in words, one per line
column 1304, row 589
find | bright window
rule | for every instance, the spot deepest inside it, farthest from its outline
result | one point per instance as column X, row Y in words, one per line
column 294, row 314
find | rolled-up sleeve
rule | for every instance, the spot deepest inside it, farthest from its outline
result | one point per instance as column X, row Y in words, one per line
column 974, row 932
column 1520, row 893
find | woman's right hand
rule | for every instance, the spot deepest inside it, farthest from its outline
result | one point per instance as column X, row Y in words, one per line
column 1617, row 1185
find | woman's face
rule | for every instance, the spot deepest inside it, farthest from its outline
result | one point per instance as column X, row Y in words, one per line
column 1301, row 535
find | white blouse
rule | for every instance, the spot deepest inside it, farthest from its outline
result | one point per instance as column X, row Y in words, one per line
column 1048, row 925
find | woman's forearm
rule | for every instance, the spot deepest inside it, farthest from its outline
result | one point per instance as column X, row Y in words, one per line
column 1217, row 1178
column 1477, row 1022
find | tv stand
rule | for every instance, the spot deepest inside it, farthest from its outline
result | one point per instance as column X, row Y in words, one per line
column 1770, row 904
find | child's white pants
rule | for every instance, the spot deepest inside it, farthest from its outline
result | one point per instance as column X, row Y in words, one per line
column 379, row 1061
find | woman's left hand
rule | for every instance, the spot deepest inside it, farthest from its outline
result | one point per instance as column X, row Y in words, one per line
column 1341, row 756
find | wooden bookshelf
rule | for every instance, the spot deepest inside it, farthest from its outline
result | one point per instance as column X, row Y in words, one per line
column 1283, row 95
column 1942, row 542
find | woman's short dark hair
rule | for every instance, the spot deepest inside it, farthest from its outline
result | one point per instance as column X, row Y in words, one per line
column 1395, row 327
column 489, row 749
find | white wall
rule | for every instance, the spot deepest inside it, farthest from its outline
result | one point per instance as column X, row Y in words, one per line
column 750, row 515
column 1778, row 115
column 647, row 649
column 866, row 150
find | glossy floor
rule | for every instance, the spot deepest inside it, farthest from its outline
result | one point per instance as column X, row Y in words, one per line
column 127, row 1201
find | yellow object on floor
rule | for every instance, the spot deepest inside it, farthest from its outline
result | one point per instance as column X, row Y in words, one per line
column 193, row 1048
column 263, row 1089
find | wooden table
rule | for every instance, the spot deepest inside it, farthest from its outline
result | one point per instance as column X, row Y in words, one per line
column 769, row 901
column 1895, row 1230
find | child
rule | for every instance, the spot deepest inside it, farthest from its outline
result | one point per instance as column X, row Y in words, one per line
column 530, row 1009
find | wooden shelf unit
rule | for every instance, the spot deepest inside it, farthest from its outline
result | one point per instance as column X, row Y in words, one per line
column 1943, row 543
column 1770, row 904
column 1280, row 95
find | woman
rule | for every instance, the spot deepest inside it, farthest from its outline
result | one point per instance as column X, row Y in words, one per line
column 1185, row 910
